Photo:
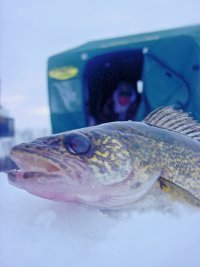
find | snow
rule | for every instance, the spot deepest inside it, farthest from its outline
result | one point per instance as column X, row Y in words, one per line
column 37, row 232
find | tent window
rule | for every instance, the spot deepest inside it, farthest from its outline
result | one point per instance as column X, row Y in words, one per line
column 103, row 74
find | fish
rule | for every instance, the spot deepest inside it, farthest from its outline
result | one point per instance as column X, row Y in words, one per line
column 116, row 164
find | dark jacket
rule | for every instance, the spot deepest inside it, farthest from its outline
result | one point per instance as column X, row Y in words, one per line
column 108, row 114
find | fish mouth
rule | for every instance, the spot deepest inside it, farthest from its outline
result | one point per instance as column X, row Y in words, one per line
column 31, row 165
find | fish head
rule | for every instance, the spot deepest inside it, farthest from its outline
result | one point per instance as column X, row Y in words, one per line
column 90, row 165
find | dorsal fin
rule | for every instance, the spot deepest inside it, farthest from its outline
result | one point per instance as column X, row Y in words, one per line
column 174, row 120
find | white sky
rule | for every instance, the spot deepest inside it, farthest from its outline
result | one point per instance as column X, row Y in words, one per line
column 33, row 30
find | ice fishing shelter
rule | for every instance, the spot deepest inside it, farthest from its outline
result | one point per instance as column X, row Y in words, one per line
column 164, row 66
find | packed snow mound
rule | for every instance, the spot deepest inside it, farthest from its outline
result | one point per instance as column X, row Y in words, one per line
column 37, row 232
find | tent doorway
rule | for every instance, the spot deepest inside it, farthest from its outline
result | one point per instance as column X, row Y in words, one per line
column 103, row 73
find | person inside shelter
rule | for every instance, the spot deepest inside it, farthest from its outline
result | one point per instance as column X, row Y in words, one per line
column 122, row 105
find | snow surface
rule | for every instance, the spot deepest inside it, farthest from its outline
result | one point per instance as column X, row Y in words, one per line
column 36, row 232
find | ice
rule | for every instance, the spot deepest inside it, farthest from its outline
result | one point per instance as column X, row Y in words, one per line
column 37, row 232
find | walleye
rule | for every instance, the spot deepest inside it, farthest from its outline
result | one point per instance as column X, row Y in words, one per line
column 115, row 164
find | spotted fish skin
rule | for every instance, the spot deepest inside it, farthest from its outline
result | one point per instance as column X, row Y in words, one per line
column 114, row 164
column 181, row 157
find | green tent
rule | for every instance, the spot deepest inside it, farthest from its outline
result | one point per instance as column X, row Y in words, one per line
column 164, row 66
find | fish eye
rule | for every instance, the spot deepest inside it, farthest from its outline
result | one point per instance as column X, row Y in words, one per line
column 76, row 143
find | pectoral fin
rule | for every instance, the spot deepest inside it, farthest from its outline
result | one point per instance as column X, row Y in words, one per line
column 178, row 192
